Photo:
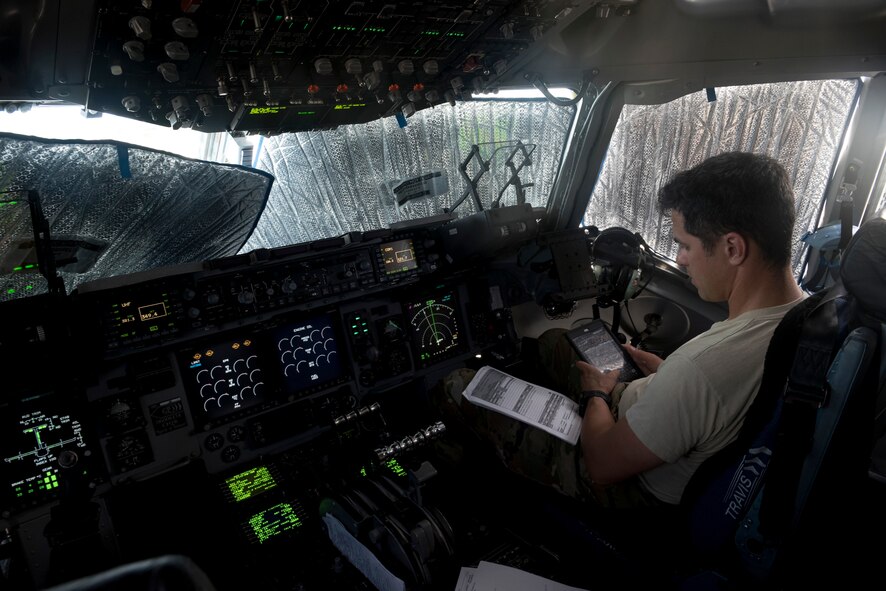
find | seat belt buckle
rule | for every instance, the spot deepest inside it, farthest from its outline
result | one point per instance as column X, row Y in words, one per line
column 814, row 396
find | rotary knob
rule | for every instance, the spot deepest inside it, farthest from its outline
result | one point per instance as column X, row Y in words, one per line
column 214, row 442
column 67, row 459
column 212, row 299
column 246, row 297
column 289, row 286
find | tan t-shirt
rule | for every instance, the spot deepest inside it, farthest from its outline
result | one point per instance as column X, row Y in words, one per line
column 695, row 404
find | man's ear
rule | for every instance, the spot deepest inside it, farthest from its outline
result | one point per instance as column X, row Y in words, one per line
column 736, row 247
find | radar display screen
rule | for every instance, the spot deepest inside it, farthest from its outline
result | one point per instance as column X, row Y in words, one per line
column 399, row 256
column 37, row 442
column 224, row 378
column 433, row 321
column 250, row 483
column 308, row 353
column 273, row 522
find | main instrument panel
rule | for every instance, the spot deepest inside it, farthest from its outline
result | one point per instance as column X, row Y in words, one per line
column 236, row 358
column 238, row 376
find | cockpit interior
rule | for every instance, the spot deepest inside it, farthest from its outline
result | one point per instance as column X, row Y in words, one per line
column 224, row 334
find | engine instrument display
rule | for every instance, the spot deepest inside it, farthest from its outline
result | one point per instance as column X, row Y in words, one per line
column 308, row 353
column 433, row 321
column 224, row 378
column 399, row 256
column 37, row 444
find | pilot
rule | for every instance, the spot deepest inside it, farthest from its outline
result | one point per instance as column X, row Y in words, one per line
column 732, row 218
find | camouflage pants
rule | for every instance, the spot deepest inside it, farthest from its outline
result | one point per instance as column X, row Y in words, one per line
column 531, row 452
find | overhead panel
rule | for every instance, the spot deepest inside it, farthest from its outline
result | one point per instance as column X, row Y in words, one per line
column 276, row 65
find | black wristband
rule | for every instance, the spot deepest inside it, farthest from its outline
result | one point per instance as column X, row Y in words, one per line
column 586, row 397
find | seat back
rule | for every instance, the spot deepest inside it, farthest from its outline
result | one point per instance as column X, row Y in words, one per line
column 171, row 572
column 760, row 504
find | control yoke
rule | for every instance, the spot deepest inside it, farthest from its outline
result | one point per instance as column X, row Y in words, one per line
column 612, row 265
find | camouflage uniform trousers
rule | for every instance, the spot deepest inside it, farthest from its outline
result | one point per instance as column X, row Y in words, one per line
column 531, row 452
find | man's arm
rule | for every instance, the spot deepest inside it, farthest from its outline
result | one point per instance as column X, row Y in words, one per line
column 611, row 451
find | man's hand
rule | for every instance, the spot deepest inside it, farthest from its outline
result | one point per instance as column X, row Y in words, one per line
column 594, row 379
column 647, row 362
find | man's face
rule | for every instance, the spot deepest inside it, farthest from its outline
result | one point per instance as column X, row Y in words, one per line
column 709, row 272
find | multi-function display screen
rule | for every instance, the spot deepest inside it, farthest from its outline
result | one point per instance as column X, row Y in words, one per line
column 433, row 320
column 399, row 256
column 224, row 378
column 308, row 353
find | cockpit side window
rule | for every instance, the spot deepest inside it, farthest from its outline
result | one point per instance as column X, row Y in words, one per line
column 881, row 206
column 799, row 123
column 342, row 180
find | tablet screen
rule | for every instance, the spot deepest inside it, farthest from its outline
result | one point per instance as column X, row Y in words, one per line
column 596, row 344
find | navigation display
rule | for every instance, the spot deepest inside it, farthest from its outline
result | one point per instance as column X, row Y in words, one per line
column 433, row 320
column 308, row 353
column 224, row 378
column 399, row 256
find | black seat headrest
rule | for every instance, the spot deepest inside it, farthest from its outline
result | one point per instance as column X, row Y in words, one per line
column 863, row 269
column 170, row 572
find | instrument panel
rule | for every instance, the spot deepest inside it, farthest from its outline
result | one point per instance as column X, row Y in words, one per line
column 44, row 441
column 245, row 356
column 142, row 314
column 230, row 397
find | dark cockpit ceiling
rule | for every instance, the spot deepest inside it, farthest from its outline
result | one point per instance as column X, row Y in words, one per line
column 276, row 65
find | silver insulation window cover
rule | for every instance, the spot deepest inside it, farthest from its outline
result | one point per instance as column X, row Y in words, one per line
column 336, row 181
column 138, row 207
column 801, row 124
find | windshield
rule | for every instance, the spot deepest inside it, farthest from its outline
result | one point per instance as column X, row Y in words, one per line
column 360, row 177
column 131, row 209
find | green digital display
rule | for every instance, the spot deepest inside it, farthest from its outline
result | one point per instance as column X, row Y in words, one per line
column 399, row 256
column 395, row 467
column 274, row 522
column 250, row 483
column 267, row 110
column 141, row 315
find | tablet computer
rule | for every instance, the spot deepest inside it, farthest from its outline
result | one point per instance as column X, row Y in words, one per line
column 596, row 344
